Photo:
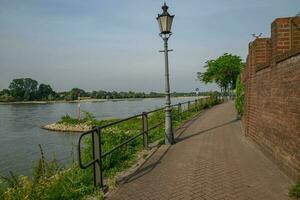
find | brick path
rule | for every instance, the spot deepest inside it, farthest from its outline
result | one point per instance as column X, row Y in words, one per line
column 212, row 160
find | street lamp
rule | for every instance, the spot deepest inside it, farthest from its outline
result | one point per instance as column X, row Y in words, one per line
column 165, row 22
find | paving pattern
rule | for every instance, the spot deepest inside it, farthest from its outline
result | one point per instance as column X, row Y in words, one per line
column 211, row 160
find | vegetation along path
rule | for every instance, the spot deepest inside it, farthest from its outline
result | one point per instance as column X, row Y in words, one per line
column 211, row 159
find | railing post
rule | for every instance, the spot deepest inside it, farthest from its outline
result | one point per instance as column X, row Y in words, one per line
column 179, row 111
column 97, row 151
column 196, row 104
column 189, row 106
column 145, row 129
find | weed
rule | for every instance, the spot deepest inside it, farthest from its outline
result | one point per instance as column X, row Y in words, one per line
column 295, row 190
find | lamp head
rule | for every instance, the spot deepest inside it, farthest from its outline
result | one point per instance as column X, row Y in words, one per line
column 165, row 20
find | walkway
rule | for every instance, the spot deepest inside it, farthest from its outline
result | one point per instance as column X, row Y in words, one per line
column 212, row 160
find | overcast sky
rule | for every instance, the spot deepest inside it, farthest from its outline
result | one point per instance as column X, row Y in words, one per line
column 114, row 44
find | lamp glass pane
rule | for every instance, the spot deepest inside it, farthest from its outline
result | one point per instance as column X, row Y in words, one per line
column 159, row 24
column 170, row 20
column 163, row 23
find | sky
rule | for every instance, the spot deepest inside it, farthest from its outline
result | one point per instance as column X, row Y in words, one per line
column 114, row 45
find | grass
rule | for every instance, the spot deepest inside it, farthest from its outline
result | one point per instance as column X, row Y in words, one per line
column 88, row 118
column 50, row 181
column 295, row 190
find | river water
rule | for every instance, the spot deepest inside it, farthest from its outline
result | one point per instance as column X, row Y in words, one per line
column 20, row 132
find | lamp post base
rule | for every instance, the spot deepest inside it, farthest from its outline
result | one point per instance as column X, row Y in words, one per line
column 169, row 136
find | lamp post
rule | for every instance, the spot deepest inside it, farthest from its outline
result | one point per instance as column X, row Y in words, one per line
column 165, row 22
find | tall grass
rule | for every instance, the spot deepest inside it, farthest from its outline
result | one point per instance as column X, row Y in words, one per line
column 50, row 181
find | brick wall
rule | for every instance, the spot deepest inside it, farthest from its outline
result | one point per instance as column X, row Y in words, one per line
column 272, row 94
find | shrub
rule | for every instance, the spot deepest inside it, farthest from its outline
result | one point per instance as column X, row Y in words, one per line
column 6, row 98
column 88, row 118
column 295, row 190
column 67, row 119
column 239, row 101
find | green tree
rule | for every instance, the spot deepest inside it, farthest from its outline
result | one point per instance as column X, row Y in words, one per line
column 115, row 95
column 223, row 71
column 73, row 94
column 44, row 91
column 23, row 89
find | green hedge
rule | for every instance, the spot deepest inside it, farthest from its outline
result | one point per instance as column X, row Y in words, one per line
column 240, row 94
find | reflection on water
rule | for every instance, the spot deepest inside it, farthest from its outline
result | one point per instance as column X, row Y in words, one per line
column 20, row 131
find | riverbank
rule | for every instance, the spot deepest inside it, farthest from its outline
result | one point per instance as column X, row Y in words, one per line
column 92, row 100
column 51, row 181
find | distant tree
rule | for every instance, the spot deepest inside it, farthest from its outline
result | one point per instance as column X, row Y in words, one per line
column 73, row 94
column 68, row 97
column 223, row 71
column 44, row 91
column 155, row 94
column 23, row 89
column 131, row 94
column 115, row 95
column 51, row 97
column 5, row 92
column 101, row 94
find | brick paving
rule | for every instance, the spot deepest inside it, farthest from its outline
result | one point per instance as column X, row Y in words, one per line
column 211, row 160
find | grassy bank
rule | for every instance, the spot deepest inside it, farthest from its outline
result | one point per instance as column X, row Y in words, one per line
column 51, row 181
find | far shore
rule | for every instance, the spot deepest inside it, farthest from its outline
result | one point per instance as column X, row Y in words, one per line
column 89, row 100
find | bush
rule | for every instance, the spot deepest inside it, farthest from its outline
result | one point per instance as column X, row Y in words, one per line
column 295, row 190
column 88, row 118
column 239, row 101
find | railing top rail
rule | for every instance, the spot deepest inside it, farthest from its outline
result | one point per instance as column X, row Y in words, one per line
column 139, row 115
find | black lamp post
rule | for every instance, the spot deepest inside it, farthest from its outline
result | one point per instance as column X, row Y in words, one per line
column 165, row 23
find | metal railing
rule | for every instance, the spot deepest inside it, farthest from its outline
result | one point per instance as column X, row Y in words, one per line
column 97, row 153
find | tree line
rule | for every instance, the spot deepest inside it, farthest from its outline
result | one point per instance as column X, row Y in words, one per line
column 27, row 89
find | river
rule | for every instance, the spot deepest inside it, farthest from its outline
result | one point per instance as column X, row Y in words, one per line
column 20, row 132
